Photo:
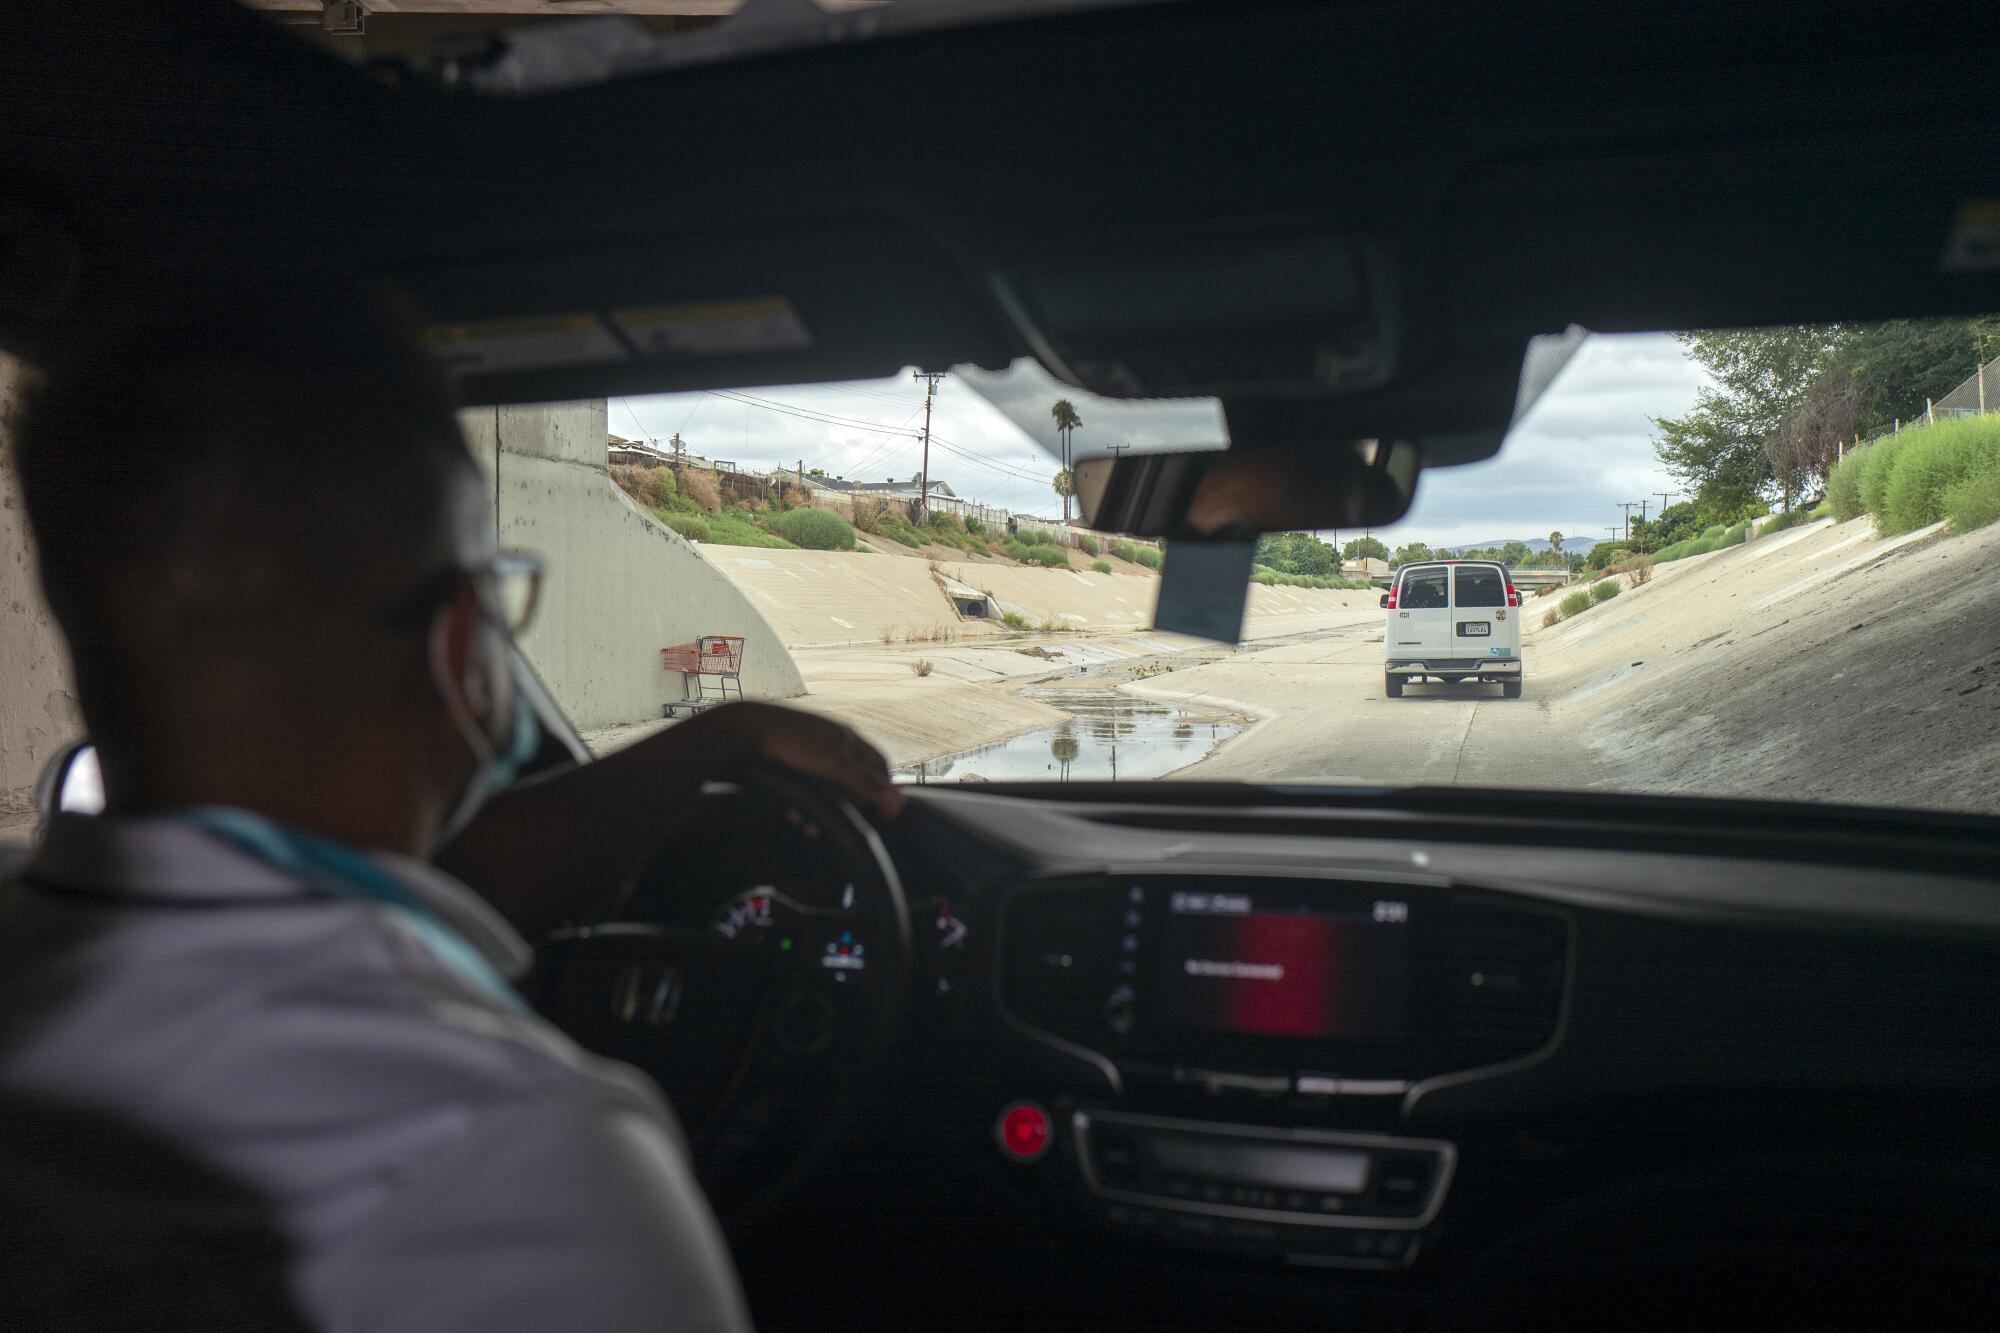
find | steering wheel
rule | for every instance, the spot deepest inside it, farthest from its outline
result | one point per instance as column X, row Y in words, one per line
column 756, row 967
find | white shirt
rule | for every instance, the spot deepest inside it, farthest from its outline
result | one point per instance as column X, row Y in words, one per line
column 439, row 1159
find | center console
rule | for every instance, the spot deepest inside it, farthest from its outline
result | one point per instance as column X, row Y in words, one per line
column 1263, row 1033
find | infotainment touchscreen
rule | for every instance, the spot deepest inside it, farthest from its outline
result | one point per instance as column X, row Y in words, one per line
column 1280, row 961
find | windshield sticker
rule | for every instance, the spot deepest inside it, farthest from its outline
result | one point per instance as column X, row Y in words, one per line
column 715, row 328
column 484, row 346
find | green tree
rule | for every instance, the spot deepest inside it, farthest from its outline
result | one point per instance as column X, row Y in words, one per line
column 1902, row 362
column 1716, row 449
column 1297, row 553
column 1675, row 523
column 1064, row 483
column 1514, row 553
column 1365, row 548
column 1066, row 419
column 1412, row 553
column 1782, row 399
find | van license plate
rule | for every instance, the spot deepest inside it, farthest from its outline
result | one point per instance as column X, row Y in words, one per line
column 1471, row 629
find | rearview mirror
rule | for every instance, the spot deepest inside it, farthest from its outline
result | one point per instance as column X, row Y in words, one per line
column 1384, row 603
column 1235, row 492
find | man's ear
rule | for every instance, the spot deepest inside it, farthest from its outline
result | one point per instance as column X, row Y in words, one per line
column 460, row 626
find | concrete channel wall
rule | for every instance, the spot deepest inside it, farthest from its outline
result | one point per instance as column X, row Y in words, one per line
column 620, row 586
column 826, row 598
column 37, row 703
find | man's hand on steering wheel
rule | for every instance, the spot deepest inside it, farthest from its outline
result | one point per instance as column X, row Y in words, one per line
column 815, row 746
column 558, row 847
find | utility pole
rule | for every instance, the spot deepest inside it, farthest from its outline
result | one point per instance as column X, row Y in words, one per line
column 1116, row 449
column 1626, row 505
column 1664, row 497
column 677, row 451
column 930, row 379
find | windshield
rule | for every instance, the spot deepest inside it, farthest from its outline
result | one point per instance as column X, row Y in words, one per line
column 1732, row 563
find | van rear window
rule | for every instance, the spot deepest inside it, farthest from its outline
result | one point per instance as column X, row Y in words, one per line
column 1423, row 590
column 1481, row 585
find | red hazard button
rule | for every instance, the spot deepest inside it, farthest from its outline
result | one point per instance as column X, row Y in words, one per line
column 1024, row 1131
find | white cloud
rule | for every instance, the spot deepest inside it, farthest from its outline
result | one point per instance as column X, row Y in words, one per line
column 1579, row 451
column 1583, row 448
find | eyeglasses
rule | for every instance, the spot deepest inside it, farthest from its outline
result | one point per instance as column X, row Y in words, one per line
column 510, row 586
column 516, row 580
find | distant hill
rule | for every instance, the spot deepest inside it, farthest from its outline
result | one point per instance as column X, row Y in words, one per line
column 1577, row 544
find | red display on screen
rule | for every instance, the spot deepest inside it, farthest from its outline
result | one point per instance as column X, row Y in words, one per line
column 1287, row 975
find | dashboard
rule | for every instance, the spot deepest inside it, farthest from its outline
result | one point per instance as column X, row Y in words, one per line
column 1434, row 1052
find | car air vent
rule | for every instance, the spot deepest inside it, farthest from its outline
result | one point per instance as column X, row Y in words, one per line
column 1506, row 980
column 1058, row 956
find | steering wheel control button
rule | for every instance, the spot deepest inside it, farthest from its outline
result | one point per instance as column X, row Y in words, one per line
column 1119, row 1011
column 1024, row 1131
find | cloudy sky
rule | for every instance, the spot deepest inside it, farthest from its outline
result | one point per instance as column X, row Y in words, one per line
column 1579, row 451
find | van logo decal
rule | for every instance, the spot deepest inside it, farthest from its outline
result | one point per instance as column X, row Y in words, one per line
column 1497, row 652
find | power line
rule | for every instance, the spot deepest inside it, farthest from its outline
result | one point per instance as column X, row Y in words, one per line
column 626, row 403
column 877, row 452
column 691, row 411
column 807, row 414
column 834, row 417
column 1006, row 468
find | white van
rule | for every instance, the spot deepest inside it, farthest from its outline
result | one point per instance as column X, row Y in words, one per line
column 1453, row 620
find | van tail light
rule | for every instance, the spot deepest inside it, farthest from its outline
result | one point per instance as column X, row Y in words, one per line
column 1513, row 597
column 1392, row 599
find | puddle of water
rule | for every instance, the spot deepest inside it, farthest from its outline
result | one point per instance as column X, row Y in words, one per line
column 1111, row 735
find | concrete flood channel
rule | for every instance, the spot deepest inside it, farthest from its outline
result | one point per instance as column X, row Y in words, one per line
column 1110, row 734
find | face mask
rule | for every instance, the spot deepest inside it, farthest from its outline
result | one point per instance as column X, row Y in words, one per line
column 497, row 762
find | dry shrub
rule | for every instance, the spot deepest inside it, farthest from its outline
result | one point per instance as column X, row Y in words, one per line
column 922, row 666
column 1554, row 617
column 652, row 487
column 699, row 486
column 631, row 480
column 1641, row 572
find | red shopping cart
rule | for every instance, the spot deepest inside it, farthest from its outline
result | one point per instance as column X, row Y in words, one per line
column 716, row 658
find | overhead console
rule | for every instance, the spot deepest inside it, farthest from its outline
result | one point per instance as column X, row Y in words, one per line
column 1262, row 1032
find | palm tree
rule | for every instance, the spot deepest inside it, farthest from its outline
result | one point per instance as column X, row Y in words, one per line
column 1067, row 420
column 1556, row 545
column 1065, row 486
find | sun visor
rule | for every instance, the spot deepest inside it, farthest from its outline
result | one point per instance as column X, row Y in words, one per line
column 1184, row 316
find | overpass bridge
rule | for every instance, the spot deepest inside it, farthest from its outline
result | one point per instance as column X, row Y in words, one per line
column 1527, row 580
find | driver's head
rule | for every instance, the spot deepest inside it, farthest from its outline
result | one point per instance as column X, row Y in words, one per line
column 258, row 526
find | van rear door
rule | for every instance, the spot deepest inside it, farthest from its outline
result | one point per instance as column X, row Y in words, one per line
column 1420, row 626
column 1481, row 624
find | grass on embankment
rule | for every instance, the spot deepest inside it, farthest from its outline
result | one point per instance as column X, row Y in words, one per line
column 1949, row 470
column 1709, row 539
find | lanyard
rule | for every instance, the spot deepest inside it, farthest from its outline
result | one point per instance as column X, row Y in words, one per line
column 335, row 868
